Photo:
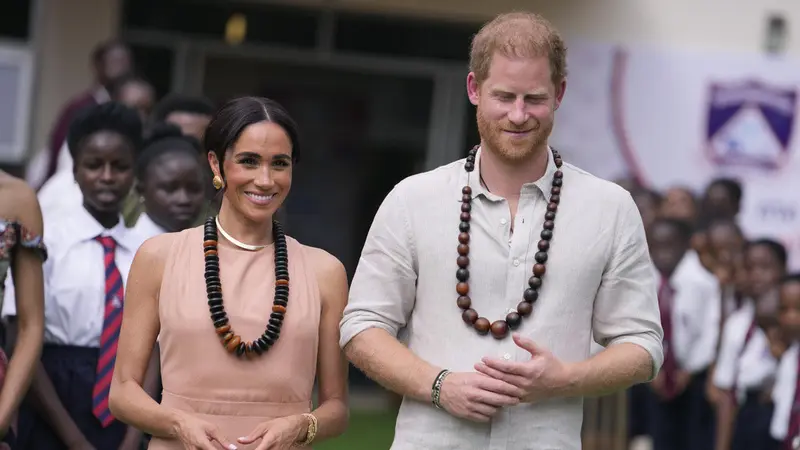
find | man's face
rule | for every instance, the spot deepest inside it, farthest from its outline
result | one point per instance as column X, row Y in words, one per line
column 516, row 105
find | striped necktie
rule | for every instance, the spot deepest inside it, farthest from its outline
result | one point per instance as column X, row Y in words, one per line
column 666, row 296
column 112, row 321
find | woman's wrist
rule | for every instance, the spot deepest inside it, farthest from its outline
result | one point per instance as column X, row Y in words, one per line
column 301, row 425
column 176, row 422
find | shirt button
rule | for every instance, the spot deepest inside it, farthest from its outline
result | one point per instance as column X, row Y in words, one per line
column 516, row 262
column 503, row 221
column 506, row 356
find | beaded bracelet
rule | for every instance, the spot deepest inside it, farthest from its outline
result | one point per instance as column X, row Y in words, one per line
column 312, row 429
column 436, row 389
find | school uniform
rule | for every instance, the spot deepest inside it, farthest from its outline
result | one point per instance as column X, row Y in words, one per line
column 145, row 228
column 746, row 367
column 84, row 285
column 690, row 312
column 785, row 425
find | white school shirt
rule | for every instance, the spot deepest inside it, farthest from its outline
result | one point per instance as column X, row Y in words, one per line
column 749, row 368
column 145, row 228
column 60, row 194
column 695, row 314
column 783, row 392
column 74, row 277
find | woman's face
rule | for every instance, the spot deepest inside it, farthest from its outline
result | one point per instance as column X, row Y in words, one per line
column 173, row 190
column 679, row 204
column 258, row 171
column 103, row 170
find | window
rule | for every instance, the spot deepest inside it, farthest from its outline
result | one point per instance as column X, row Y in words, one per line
column 271, row 24
column 393, row 36
column 15, row 19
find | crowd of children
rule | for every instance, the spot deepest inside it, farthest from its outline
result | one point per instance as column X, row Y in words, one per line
column 731, row 319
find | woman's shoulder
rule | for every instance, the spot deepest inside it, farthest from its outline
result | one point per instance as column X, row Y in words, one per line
column 161, row 246
column 325, row 265
column 21, row 204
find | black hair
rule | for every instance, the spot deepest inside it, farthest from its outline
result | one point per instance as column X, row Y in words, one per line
column 790, row 278
column 654, row 195
column 683, row 228
column 164, row 139
column 101, row 49
column 777, row 249
column 109, row 116
column 182, row 103
column 733, row 187
column 724, row 223
column 115, row 86
column 233, row 117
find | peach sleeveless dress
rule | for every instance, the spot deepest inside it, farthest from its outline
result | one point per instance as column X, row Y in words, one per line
column 198, row 375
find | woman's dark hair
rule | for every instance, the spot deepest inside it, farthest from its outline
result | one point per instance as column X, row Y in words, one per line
column 776, row 248
column 732, row 186
column 164, row 139
column 682, row 227
column 182, row 103
column 790, row 278
column 109, row 116
column 234, row 116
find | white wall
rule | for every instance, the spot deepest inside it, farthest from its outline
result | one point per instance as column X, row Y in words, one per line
column 66, row 31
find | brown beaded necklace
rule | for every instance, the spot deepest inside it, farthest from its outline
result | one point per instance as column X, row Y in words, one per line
column 499, row 328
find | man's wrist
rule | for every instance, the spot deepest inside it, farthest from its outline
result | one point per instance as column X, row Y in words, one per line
column 573, row 378
column 436, row 388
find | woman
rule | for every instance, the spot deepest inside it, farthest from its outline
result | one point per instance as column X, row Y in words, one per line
column 21, row 250
column 90, row 252
column 169, row 181
column 226, row 380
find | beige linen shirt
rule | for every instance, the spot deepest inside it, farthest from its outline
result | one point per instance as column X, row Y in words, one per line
column 599, row 285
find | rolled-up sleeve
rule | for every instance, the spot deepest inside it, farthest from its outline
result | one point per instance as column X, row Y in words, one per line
column 383, row 290
column 626, row 305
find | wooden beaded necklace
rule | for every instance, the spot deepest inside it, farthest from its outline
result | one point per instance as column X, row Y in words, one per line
column 231, row 341
column 513, row 320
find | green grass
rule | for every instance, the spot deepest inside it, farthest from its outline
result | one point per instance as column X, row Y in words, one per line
column 367, row 431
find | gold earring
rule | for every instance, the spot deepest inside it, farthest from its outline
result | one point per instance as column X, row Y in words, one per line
column 218, row 183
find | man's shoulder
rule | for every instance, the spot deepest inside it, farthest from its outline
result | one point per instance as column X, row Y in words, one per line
column 596, row 189
column 597, row 185
column 431, row 182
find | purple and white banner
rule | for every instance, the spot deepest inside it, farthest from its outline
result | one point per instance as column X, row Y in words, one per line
column 682, row 118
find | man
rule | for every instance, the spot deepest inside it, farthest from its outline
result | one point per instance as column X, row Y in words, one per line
column 599, row 282
column 110, row 60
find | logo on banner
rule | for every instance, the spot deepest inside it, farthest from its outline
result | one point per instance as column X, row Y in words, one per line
column 750, row 123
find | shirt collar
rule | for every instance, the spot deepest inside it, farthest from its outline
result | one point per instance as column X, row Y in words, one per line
column 84, row 228
column 146, row 226
column 543, row 184
column 100, row 95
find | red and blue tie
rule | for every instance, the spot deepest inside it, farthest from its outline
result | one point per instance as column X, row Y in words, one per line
column 112, row 321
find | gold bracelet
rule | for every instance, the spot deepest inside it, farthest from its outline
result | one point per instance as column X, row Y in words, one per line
column 311, row 433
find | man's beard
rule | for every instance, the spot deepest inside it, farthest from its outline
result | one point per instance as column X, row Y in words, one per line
column 507, row 147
